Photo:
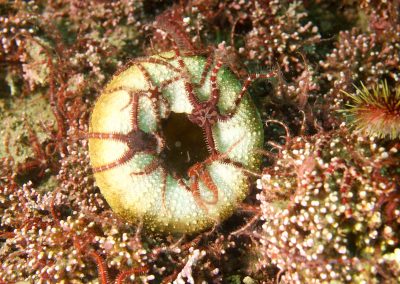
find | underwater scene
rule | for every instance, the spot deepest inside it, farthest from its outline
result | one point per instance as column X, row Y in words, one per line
column 200, row 141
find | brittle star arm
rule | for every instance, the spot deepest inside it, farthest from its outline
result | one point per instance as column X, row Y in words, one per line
column 207, row 180
column 249, row 80
column 127, row 156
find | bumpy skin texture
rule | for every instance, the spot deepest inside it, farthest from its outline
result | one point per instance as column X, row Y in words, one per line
column 140, row 197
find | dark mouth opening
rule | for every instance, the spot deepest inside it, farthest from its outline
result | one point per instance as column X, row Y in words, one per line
column 185, row 144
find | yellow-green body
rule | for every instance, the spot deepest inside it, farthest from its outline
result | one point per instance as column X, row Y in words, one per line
column 139, row 198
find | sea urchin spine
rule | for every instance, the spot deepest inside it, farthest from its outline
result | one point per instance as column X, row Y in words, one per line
column 376, row 113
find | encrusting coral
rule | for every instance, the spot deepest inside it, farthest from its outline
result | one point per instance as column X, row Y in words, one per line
column 331, row 210
column 366, row 53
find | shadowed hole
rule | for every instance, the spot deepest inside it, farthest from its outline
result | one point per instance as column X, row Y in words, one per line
column 185, row 144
